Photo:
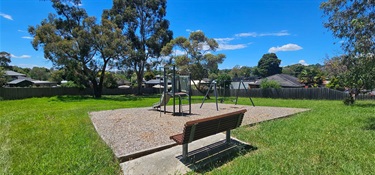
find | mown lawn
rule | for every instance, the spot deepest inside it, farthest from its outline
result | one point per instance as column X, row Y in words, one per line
column 55, row 136
column 330, row 139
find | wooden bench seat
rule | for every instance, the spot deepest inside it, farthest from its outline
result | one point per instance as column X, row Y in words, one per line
column 198, row 129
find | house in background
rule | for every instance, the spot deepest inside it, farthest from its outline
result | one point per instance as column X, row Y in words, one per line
column 20, row 83
column 11, row 75
column 20, row 80
column 285, row 81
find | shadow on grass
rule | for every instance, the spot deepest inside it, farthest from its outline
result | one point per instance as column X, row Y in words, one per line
column 215, row 155
column 106, row 98
column 370, row 123
column 365, row 105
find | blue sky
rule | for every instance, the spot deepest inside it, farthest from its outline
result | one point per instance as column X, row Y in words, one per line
column 244, row 29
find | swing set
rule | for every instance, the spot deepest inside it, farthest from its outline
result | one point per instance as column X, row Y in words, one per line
column 213, row 85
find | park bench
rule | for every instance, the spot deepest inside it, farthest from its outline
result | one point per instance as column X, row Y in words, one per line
column 198, row 129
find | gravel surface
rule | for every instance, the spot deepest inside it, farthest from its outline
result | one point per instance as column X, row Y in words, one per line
column 132, row 130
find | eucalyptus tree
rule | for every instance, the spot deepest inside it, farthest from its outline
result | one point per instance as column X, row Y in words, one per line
column 72, row 39
column 4, row 59
column 354, row 23
column 143, row 23
column 197, row 58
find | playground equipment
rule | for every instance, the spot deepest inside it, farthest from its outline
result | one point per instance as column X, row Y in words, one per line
column 213, row 84
column 181, row 88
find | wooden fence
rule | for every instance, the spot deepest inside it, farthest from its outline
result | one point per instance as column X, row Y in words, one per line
column 20, row 93
column 285, row 93
column 291, row 93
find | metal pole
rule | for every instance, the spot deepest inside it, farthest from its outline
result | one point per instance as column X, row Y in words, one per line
column 239, row 86
column 174, row 89
column 189, row 93
column 208, row 91
column 246, row 93
column 215, row 90
column 165, row 82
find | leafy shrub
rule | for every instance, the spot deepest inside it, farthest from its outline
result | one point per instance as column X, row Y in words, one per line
column 349, row 101
column 269, row 84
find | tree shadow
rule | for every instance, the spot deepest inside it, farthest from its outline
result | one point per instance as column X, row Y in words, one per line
column 370, row 123
column 365, row 105
column 215, row 155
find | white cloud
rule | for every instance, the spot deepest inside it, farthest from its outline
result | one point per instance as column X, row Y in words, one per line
column 254, row 34
column 189, row 31
column 303, row 62
column 27, row 37
column 287, row 47
column 22, row 31
column 224, row 44
column 6, row 16
column 22, row 56
column 231, row 46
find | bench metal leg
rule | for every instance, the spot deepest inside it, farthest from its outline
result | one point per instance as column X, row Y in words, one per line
column 228, row 137
column 184, row 151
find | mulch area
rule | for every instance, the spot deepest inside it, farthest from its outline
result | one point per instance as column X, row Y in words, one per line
column 131, row 130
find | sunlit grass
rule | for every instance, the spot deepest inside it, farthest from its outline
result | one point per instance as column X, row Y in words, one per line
column 330, row 139
column 55, row 136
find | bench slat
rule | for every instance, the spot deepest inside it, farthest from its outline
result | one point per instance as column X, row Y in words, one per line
column 209, row 126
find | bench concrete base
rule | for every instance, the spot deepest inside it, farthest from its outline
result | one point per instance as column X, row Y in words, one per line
column 169, row 161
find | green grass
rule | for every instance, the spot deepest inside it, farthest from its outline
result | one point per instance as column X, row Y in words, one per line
column 330, row 139
column 55, row 136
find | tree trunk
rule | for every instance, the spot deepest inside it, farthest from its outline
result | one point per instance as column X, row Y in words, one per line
column 97, row 89
column 139, row 82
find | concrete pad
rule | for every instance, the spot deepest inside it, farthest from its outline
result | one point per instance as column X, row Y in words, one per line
column 201, row 153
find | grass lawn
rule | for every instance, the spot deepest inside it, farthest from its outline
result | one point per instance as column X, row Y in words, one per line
column 55, row 136
column 330, row 139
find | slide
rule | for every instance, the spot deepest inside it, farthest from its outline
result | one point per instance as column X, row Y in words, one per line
column 162, row 102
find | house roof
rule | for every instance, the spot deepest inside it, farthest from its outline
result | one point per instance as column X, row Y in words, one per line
column 156, row 81
column 17, row 81
column 284, row 80
column 12, row 73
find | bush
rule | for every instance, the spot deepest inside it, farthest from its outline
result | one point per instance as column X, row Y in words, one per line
column 349, row 101
column 265, row 84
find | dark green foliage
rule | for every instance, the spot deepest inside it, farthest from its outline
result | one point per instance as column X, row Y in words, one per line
column 349, row 101
column 266, row 84
column 224, row 80
column 72, row 40
column 149, row 75
column 39, row 73
column 143, row 23
column 294, row 70
column 268, row 65
column 4, row 59
column 354, row 23
column 197, row 60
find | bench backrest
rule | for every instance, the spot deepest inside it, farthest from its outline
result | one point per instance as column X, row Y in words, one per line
column 201, row 128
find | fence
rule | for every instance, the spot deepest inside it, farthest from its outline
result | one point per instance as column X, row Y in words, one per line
column 286, row 93
column 291, row 93
column 20, row 93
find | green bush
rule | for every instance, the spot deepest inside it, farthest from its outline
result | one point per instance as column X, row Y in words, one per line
column 265, row 84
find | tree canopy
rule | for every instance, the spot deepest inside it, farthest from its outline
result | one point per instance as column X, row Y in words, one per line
column 268, row 65
column 196, row 58
column 143, row 23
column 354, row 23
column 72, row 39
column 4, row 59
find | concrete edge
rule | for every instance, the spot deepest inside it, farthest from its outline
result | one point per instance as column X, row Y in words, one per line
column 141, row 153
